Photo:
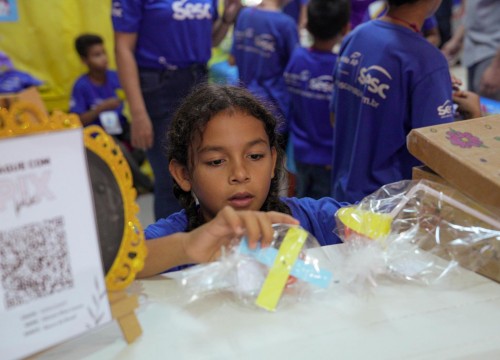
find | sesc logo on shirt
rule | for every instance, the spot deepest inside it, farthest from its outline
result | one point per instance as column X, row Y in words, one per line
column 323, row 83
column 184, row 10
column 374, row 84
column 265, row 42
column 445, row 110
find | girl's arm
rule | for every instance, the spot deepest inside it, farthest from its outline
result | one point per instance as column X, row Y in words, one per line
column 203, row 244
column 141, row 128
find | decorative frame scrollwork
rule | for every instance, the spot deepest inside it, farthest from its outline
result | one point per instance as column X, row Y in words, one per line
column 23, row 118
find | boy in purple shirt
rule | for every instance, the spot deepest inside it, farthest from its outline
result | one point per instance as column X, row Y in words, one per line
column 264, row 38
column 309, row 79
column 94, row 98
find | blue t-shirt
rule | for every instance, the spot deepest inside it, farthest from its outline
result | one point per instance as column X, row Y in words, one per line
column 315, row 216
column 263, row 42
column 309, row 79
column 388, row 81
column 358, row 10
column 293, row 7
column 12, row 81
column 170, row 33
column 86, row 95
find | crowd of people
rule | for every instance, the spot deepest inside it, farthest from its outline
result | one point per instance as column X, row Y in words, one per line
column 217, row 151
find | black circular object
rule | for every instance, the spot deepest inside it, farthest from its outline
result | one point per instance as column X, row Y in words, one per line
column 109, row 209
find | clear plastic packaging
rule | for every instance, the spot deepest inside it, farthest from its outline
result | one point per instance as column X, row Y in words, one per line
column 414, row 231
column 283, row 273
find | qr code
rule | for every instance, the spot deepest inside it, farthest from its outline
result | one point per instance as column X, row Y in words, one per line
column 34, row 261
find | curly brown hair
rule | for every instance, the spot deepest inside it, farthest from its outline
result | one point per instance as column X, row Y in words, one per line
column 189, row 122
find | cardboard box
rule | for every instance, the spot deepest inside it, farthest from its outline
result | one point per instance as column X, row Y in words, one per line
column 30, row 95
column 466, row 154
column 425, row 173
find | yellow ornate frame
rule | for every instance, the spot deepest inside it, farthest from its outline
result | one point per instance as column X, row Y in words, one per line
column 23, row 118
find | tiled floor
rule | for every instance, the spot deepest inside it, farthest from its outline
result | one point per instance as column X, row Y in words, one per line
column 145, row 202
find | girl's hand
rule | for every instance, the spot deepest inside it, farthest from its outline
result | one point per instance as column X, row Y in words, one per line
column 141, row 131
column 204, row 243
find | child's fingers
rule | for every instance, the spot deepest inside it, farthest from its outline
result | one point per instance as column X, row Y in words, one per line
column 259, row 225
column 252, row 227
column 232, row 219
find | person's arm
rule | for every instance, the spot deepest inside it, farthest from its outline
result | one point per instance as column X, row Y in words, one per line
column 90, row 116
column 490, row 80
column 452, row 47
column 302, row 16
column 203, row 244
column 468, row 104
column 226, row 20
column 432, row 35
column 141, row 127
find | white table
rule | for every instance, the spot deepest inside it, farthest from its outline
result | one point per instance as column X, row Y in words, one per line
column 398, row 321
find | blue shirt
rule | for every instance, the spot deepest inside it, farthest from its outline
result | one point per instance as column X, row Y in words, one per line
column 86, row 95
column 170, row 33
column 293, row 7
column 309, row 79
column 12, row 81
column 263, row 42
column 388, row 80
column 315, row 216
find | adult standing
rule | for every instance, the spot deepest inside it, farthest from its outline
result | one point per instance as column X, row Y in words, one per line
column 162, row 48
column 480, row 37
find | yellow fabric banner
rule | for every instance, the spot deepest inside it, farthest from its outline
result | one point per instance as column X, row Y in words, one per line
column 41, row 42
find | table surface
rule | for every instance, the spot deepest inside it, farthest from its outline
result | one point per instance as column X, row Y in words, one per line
column 395, row 321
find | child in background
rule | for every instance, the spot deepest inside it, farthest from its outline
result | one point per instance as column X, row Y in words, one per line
column 358, row 10
column 297, row 9
column 388, row 80
column 94, row 99
column 429, row 29
column 309, row 79
column 264, row 38
column 226, row 163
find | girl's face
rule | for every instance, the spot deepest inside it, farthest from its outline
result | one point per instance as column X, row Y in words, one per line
column 233, row 164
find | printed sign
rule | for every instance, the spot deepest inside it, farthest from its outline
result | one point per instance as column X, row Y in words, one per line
column 52, row 283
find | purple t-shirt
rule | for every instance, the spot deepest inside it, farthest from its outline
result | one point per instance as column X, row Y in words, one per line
column 293, row 8
column 263, row 42
column 315, row 216
column 309, row 79
column 12, row 81
column 170, row 33
column 86, row 95
column 388, row 80
column 358, row 10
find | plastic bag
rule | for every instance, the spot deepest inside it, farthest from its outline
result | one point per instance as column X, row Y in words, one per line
column 414, row 231
column 284, row 273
